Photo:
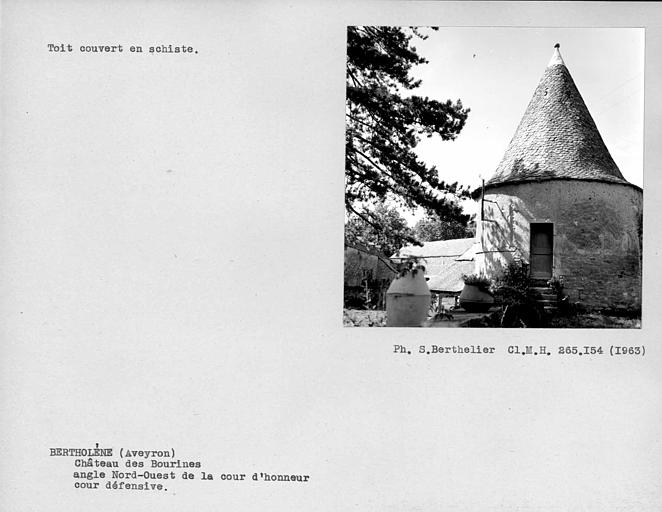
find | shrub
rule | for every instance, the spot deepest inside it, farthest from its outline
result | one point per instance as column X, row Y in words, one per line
column 411, row 264
column 556, row 285
column 477, row 280
column 512, row 290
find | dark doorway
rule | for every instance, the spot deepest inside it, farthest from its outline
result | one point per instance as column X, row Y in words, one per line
column 542, row 249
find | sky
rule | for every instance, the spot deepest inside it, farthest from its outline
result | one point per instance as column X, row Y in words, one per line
column 495, row 70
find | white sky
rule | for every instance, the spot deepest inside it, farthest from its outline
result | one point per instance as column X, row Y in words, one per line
column 494, row 71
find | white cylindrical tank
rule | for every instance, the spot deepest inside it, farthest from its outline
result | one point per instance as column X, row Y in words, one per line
column 408, row 300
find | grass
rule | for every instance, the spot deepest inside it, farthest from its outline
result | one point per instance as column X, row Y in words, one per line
column 595, row 321
column 372, row 318
column 363, row 318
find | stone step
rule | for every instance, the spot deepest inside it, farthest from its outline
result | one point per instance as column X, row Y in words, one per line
column 543, row 293
column 545, row 296
column 541, row 289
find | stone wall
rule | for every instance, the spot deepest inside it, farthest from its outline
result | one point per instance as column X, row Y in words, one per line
column 597, row 235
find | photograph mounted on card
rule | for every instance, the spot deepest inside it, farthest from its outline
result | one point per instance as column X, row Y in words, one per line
column 481, row 211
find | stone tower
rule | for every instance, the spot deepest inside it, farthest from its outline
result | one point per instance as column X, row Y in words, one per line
column 559, row 202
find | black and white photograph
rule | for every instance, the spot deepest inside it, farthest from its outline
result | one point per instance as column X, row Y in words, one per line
column 481, row 211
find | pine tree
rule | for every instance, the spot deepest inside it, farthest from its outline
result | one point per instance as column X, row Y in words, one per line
column 384, row 125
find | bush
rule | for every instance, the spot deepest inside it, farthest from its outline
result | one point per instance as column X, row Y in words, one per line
column 512, row 290
column 477, row 280
column 565, row 307
column 410, row 264
column 556, row 285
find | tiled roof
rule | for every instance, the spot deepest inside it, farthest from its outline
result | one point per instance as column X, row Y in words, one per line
column 557, row 137
column 454, row 247
column 445, row 261
column 445, row 274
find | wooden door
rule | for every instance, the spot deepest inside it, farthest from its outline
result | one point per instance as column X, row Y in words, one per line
column 542, row 249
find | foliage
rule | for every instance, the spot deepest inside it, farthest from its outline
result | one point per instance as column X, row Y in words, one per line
column 477, row 280
column 512, row 289
column 433, row 227
column 515, row 277
column 595, row 320
column 352, row 318
column 410, row 265
column 556, row 285
column 512, row 286
column 383, row 126
column 371, row 295
column 381, row 231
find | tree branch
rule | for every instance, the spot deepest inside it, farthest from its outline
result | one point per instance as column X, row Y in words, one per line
column 381, row 258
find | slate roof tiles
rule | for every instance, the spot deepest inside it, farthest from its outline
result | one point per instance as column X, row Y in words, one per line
column 445, row 261
column 557, row 137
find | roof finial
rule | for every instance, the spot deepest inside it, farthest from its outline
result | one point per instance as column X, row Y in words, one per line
column 556, row 57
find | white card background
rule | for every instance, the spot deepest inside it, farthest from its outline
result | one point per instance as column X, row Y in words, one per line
column 171, row 277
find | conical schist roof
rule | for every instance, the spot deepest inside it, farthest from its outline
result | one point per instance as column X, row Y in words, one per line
column 557, row 137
